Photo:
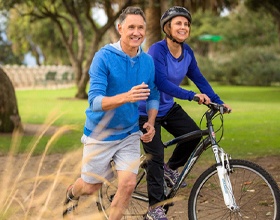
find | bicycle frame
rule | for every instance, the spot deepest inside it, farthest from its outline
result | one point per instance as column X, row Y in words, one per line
column 220, row 156
column 255, row 190
column 251, row 183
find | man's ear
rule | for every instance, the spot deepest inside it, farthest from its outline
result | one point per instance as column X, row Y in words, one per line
column 120, row 29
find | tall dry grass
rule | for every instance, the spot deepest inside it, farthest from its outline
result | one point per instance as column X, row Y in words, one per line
column 33, row 187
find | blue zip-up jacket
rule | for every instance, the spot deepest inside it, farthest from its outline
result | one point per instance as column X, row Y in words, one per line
column 169, row 74
column 113, row 72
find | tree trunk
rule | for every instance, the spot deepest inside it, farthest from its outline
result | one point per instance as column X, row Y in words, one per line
column 9, row 115
column 278, row 25
column 153, row 14
column 82, row 85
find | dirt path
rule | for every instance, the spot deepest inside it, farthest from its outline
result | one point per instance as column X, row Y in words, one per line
column 38, row 184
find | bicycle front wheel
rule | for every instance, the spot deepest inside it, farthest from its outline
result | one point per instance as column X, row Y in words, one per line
column 255, row 191
column 138, row 205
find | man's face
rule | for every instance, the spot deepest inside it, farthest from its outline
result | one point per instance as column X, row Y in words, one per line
column 132, row 31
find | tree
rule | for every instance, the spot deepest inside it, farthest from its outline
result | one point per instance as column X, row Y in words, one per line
column 64, row 31
column 7, row 56
column 248, row 52
column 9, row 115
column 216, row 6
column 153, row 14
column 155, row 9
column 74, row 23
column 251, row 28
column 40, row 38
column 270, row 6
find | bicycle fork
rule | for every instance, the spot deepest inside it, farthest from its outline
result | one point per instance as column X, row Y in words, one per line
column 224, row 170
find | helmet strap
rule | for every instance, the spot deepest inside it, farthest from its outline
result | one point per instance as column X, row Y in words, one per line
column 173, row 39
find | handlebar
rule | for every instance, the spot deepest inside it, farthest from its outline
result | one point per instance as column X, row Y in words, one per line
column 215, row 106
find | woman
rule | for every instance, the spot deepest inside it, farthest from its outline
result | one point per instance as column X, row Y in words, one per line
column 174, row 60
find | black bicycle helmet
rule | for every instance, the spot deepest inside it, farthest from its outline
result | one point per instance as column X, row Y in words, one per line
column 173, row 12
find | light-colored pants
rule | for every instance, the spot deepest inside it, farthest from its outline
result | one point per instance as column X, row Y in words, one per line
column 97, row 156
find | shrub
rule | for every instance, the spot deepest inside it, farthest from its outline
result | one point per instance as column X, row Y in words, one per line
column 251, row 66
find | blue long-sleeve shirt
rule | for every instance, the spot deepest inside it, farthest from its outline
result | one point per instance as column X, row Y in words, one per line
column 169, row 74
column 113, row 72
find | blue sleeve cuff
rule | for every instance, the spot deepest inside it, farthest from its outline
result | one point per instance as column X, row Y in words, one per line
column 152, row 104
column 97, row 103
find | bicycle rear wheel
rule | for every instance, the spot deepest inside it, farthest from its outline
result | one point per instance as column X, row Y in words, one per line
column 255, row 191
column 138, row 205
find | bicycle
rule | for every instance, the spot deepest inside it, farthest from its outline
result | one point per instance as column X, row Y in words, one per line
column 229, row 189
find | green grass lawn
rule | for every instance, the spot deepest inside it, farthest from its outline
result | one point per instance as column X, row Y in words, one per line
column 251, row 130
column 43, row 106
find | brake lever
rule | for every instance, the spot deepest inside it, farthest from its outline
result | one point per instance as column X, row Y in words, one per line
column 221, row 109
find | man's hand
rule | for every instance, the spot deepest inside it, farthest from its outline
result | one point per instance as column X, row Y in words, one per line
column 137, row 93
column 149, row 135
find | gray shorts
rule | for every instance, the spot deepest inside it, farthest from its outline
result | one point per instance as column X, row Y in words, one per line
column 97, row 157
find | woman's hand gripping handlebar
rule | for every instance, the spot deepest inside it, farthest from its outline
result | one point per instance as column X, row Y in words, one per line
column 223, row 108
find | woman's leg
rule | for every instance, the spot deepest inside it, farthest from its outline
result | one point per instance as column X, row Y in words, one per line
column 178, row 123
column 155, row 173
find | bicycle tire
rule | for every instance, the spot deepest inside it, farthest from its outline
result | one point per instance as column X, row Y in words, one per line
column 138, row 204
column 255, row 191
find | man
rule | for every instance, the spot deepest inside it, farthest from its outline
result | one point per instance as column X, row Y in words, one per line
column 121, row 74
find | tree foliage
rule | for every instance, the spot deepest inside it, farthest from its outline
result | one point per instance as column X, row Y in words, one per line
column 215, row 6
column 248, row 53
column 67, row 32
column 248, row 28
column 38, row 37
column 70, row 29
column 271, row 7
column 7, row 56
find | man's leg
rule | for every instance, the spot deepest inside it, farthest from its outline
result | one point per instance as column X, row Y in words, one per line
column 74, row 192
column 126, row 185
column 80, row 188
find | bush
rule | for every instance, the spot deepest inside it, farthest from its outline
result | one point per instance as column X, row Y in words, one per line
column 207, row 67
column 258, row 66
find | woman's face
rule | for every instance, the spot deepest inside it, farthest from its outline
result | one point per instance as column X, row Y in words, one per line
column 180, row 28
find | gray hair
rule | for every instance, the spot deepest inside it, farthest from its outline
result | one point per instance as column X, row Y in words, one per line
column 131, row 11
